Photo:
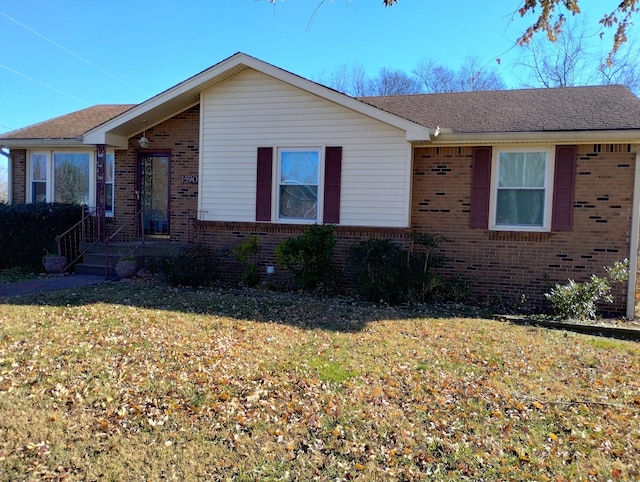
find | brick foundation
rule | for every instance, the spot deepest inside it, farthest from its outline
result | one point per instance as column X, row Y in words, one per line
column 222, row 237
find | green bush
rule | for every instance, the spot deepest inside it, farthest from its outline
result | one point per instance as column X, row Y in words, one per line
column 28, row 231
column 384, row 271
column 247, row 255
column 194, row 266
column 309, row 258
column 579, row 300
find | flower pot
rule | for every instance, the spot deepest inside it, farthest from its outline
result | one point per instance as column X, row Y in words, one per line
column 126, row 268
column 54, row 264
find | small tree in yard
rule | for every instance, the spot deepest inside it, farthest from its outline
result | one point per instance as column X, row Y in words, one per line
column 579, row 300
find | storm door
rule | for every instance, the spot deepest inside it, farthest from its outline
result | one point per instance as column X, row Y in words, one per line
column 153, row 192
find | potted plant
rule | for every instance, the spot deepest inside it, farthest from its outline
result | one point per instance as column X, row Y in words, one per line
column 126, row 266
column 54, row 264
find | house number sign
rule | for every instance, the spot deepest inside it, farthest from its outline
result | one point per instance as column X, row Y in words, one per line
column 190, row 179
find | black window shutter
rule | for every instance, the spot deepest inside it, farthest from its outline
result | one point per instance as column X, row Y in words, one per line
column 264, row 182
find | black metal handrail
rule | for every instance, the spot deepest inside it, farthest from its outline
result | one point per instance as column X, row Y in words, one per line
column 69, row 243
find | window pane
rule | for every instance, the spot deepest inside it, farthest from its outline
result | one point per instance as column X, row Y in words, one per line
column 108, row 201
column 38, row 192
column 299, row 202
column 522, row 169
column 109, row 168
column 299, row 167
column 39, row 167
column 520, row 207
column 71, row 175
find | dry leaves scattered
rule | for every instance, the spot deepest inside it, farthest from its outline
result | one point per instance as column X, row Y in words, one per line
column 139, row 382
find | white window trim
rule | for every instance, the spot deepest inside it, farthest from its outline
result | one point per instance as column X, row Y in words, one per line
column 548, row 197
column 49, row 169
column 50, row 183
column 110, row 214
column 275, row 194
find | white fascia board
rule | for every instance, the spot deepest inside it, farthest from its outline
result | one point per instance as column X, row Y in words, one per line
column 107, row 138
column 631, row 136
column 40, row 143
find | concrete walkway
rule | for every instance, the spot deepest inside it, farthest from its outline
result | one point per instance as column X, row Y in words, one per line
column 51, row 283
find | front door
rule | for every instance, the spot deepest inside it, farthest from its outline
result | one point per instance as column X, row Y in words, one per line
column 154, row 187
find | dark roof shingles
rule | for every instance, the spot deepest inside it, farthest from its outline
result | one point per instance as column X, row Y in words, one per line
column 69, row 126
column 610, row 107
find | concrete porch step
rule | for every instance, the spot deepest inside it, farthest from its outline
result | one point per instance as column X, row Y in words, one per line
column 93, row 261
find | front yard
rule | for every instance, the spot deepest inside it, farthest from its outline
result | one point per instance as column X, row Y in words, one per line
column 136, row 382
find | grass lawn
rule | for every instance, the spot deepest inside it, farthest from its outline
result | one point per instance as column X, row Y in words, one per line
column 136, row 382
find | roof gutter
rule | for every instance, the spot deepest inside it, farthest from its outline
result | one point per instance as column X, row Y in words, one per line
column 447, row 138
column 30, row 143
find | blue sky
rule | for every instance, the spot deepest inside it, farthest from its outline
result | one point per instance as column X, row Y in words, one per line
column 64, row 55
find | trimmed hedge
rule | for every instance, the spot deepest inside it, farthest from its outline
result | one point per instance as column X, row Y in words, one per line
column 28, row 231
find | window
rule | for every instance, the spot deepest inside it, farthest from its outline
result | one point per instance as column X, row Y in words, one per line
column 71, row 177
column 109, row 184
column 301, row 184
column 64, row 176
column 38, row 165
column 521, row 189
column 298, row 181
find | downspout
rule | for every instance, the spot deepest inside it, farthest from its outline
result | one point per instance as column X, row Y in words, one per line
column 633, row 249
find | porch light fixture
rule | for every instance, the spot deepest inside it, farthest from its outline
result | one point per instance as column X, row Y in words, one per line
column 143, row 141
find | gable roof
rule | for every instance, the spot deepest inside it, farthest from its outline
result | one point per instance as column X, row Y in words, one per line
column 68, row 127
column 187, row 94
column 599, row 114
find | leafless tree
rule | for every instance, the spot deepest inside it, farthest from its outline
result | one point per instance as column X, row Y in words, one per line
column 395, row 82
column 472, row 75
column 562, row 63
column 353, row 80
column 571, row 60
column 348, row 79
column 623, row 68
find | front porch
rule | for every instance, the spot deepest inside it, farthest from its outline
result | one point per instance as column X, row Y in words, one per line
column 94, row 245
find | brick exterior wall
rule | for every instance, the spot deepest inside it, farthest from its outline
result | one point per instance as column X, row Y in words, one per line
column 19, row 173
column 511, row 264
column 178, row 136
column 495, row 264
column 222, row 237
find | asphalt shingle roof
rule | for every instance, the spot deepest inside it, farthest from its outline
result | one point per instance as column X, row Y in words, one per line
column 610, row 107
column 69, row 126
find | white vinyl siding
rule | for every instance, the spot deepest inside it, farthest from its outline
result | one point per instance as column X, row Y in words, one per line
column 253, row 110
